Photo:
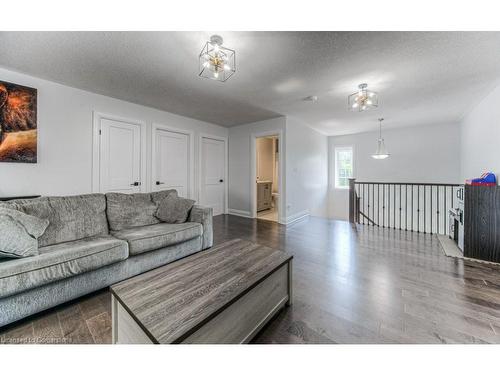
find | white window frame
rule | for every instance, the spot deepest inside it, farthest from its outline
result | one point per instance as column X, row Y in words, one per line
column 335, row 169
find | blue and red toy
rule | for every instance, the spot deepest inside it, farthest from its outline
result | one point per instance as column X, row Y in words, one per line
column 486, row 179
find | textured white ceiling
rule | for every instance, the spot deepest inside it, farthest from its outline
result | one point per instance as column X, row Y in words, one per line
column 421, row 77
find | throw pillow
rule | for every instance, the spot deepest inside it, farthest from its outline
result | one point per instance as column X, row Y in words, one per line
column 19, row 233
column 173, row 209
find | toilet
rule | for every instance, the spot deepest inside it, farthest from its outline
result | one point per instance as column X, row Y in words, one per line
column 275, row 200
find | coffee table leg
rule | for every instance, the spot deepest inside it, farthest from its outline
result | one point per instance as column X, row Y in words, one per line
column 290, row 283
column 114, row 319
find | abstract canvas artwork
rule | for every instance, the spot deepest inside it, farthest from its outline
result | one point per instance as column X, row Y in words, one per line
column 18, row 125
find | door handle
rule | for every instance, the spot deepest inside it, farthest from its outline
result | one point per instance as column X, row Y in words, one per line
column 160, row 183
column 221, row 180
column 137, row 183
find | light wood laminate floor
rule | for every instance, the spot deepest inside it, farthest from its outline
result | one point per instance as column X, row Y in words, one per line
column 271, row 214
column 364, row 285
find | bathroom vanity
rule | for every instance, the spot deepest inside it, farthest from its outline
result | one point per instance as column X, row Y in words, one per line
column 264, row 195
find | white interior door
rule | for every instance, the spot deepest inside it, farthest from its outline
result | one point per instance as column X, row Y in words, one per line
column 172, row 162
column 120, row 156
column 213, row 172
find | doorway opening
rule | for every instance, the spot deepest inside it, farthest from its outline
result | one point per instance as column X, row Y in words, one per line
column 267, row 152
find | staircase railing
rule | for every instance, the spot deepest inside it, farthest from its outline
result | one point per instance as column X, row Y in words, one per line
column 418, row 207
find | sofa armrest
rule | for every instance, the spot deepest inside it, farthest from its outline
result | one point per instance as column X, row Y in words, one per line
column 204, row 215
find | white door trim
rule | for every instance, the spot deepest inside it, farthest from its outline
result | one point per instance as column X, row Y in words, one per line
column 96, row 154
column 226, row 157
column 190, row 134
column 253, row 173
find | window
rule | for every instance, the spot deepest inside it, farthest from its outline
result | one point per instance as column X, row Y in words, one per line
column 343, row 167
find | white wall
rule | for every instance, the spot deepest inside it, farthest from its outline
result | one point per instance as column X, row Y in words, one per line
column 429, row 153
column 240, row 173
column 480, row 144
column 65, row 138
column 265, row 157
column 306, row 170
column 305, row 157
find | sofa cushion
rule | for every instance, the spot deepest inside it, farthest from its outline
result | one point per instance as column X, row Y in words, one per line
column 174, row 210
column 58, row 262
column 158, row 196
column 70, row 218
column 154, row 237
column 133, row 210
column 19, row 233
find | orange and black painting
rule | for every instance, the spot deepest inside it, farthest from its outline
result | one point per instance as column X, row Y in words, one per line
column 18, row 129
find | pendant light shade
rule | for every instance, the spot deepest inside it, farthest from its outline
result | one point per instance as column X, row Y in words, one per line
column 381, row 152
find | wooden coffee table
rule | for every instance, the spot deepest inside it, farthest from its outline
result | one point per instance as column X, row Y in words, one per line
column 222, row 295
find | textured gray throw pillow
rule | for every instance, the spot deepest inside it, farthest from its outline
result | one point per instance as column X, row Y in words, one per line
column 19, row 233
column 173, row 209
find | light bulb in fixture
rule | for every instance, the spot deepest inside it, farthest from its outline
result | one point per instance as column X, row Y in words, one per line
column 206, row 64
column 227, row 67
column 216, row 74
column 365, row 99
column 355, row 105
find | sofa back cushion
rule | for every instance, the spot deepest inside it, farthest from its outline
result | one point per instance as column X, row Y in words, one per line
column 19, row 233
column 158, row 196
column 174, row 210
column 133, row 210
column 70, row 218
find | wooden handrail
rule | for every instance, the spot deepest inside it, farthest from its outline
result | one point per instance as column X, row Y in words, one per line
column 405, row 183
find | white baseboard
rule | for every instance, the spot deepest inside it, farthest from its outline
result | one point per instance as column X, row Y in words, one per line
column 295, row 217
column 241, row 213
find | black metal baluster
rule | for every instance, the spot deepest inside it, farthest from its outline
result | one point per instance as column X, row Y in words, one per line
column 369, row 202
column 400, row 207
column 437, row 213
column 445, row 211
column 368, row 205
column 378, row 204
column 394, row 206
column 383, row 205
column 388, row 206
column 432, row 213
column 418, row 208
column 406, row 207
column 425, row 204
column 412, row 208
column 363, row 201
column 367, row 212
column 373, row 203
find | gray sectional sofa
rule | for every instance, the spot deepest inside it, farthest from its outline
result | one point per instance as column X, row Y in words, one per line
column 93, row 241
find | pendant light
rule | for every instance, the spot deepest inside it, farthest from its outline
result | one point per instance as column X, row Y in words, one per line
column 381, row 152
